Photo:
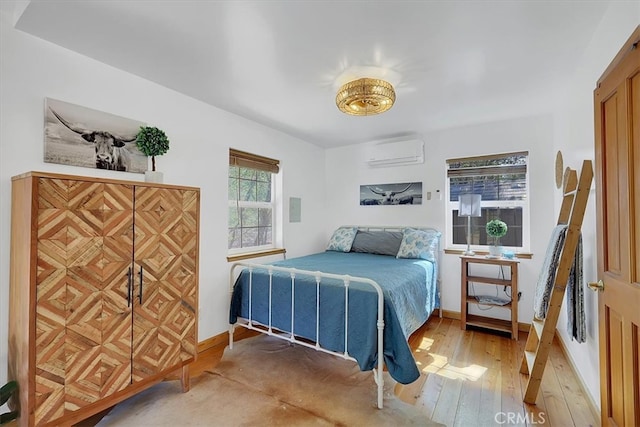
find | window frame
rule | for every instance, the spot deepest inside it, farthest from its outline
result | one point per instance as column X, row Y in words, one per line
column 258, row 163
column 451, row 206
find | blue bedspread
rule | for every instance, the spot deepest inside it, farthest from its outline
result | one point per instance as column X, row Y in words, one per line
column 409, row 287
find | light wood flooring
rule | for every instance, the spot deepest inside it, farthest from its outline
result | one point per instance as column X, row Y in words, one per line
column 471, row 378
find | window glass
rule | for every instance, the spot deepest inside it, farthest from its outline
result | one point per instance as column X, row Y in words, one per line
column 511, row 216
column 502, row 182
column 251, row 204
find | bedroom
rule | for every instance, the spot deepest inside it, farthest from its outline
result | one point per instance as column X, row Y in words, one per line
column 326, row 179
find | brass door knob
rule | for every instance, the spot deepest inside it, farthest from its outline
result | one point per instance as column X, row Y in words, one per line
column 596, row 286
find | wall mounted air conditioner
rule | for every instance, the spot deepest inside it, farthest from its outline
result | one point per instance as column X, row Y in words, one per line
column 408, row 151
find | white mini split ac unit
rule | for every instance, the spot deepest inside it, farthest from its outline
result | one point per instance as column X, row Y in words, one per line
column 396, row 153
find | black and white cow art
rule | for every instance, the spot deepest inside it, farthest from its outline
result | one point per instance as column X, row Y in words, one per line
column 110, row 150
column 391, row 197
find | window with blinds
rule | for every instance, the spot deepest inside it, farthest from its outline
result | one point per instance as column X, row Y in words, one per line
column 251, row 201
column 502, row 182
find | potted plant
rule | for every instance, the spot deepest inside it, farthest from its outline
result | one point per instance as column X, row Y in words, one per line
column 153, row 142
column 496, row 228
column 6, row 391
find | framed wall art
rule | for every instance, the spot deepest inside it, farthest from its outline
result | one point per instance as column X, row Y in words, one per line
column 405, row 193
column 80, row 136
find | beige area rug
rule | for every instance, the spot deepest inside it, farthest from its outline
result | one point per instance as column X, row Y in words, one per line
column 265, row 381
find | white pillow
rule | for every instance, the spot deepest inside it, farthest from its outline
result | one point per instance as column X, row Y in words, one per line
column 342, row 239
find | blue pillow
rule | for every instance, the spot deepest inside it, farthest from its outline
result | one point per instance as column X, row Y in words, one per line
column 421, row 244
column 342, row 239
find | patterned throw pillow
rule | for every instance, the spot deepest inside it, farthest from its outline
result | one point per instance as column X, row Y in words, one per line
column 342, row 239
column 419, row 244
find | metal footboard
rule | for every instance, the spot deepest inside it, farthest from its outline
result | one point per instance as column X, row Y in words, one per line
column 290, row 336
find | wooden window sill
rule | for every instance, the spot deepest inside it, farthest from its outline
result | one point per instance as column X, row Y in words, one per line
column 520, row 255
column 258, row 254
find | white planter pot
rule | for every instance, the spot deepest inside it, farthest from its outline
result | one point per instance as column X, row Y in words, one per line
column 495, row 251
column 153, row 176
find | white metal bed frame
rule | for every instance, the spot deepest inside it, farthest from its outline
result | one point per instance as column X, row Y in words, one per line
column 290, row 336
column 268, row 329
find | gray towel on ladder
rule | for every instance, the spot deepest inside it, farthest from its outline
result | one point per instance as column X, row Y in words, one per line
column 574, row 290
column 575, row 298
column 547, row 276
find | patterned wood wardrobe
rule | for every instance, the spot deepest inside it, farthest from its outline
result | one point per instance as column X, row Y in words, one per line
column 103, row 292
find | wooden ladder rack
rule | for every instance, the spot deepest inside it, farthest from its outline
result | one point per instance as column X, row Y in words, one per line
column 542, row 332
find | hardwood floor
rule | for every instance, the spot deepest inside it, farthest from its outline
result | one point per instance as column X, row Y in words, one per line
column 472, row 378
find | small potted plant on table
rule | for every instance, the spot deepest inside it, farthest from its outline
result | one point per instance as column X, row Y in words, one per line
column 153, row 142
column 496, row 228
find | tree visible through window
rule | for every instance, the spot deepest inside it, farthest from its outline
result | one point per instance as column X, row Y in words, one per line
column 251, row 206
column 501, row 180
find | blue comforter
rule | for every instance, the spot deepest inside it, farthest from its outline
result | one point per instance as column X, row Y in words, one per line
column 409, row 287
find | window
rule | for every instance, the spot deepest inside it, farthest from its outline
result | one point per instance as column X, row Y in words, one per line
column 502, row 181
column 251, row 201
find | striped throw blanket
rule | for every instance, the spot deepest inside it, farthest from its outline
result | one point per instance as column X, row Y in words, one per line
column 575, row 298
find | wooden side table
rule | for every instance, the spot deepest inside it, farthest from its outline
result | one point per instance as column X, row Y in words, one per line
column 486, row 322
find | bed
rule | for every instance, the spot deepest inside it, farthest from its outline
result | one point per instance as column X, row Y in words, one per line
column 364, row 296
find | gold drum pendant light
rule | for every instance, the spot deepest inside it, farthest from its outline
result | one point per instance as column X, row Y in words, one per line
column 365, row 97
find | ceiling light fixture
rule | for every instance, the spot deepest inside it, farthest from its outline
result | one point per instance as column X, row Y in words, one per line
column 365, row 97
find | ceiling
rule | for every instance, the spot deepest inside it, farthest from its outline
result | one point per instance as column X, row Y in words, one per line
column 279, row 63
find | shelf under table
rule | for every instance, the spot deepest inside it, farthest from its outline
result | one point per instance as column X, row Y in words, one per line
column 489, row 323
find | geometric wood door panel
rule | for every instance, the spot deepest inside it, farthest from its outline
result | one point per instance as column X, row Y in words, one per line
column 165, row 283
column 188, row 274
column 81, row 289
column 117, row 272
column 51, row 299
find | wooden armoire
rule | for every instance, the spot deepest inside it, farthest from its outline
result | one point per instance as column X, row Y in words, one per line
column 103, row 291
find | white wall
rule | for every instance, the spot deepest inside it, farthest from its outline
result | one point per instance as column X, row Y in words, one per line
column 346, row 171
column 575, row 138
column 200, row 135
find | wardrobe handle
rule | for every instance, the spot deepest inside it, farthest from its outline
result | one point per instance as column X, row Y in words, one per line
column 140, row 296
column 129, row 286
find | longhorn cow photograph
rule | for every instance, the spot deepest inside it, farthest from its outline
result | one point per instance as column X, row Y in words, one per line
column 406, row 193
column 80, row 136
